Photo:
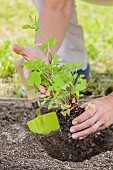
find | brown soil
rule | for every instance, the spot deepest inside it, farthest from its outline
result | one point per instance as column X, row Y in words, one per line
column 22, row 150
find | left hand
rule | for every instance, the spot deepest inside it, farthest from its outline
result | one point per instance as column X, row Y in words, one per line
column 29, row 53
column 93, row 119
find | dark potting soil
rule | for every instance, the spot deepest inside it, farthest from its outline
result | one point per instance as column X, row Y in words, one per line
column 65, row 148
column 23, row 150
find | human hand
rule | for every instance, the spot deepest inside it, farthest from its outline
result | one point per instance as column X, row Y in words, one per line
column 93, row 119
column 29, row 53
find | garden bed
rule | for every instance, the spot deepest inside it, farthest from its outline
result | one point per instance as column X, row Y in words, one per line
column 22, row 150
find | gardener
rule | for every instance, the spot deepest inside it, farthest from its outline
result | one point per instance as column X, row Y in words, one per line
column 58, row 19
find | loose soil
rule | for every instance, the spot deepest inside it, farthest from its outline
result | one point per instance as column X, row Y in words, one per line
column 23, row 150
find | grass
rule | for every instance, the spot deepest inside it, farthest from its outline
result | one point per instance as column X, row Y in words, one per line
column 98, row 28
column 98, row 32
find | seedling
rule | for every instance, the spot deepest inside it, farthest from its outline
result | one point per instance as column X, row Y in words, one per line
column 61, row 81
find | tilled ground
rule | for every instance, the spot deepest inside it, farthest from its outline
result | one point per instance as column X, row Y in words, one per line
column 21, row 150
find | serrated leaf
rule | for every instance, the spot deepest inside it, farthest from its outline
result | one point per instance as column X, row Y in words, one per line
column 59, row 83
column 34, row 78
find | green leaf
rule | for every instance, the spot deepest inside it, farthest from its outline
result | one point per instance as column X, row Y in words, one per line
column 27, row 26
column 56, row 60
column 78, row 65
column 45, row 82
column 75, row 76
column 34, row 78
column 66, row 112
column 77, row 93
column 36, row 25
column 43, row 46
column 59, row 82
column 56, row 94
column 53, row 104
column 63, row 95
column 50, row 88
column 50, row 106
column 31, row 18
column 52, row 42
column 35, row 18
column 63, row 106
column 45, row 100
column 30, row 88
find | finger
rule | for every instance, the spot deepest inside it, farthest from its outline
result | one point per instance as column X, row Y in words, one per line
column 26, row 52
column 86, row 124
column 88, row 105
column 84, row 116
column 41, row 89
column 47, row 94
column 26, row 72
column 83, row 105
column 18, row 49
column 103, row 126
column 88, row 131
column 82, row 137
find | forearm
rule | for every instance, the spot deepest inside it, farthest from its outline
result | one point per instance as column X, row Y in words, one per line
column 54, row 22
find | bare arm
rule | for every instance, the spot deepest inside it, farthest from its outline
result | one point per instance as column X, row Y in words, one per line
column 54, row 20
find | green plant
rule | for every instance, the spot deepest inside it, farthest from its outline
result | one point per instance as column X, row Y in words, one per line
column 61, row 81
column 6, row 60
column 48, row 43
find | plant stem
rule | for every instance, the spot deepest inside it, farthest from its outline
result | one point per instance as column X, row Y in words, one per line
column 44, row 75
column 43, row 34
column 48, row 48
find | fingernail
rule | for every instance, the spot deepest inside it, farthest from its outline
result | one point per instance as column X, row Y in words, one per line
column 74, row 122
column 72, row 130
column 74, row 136
column 81, row 138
